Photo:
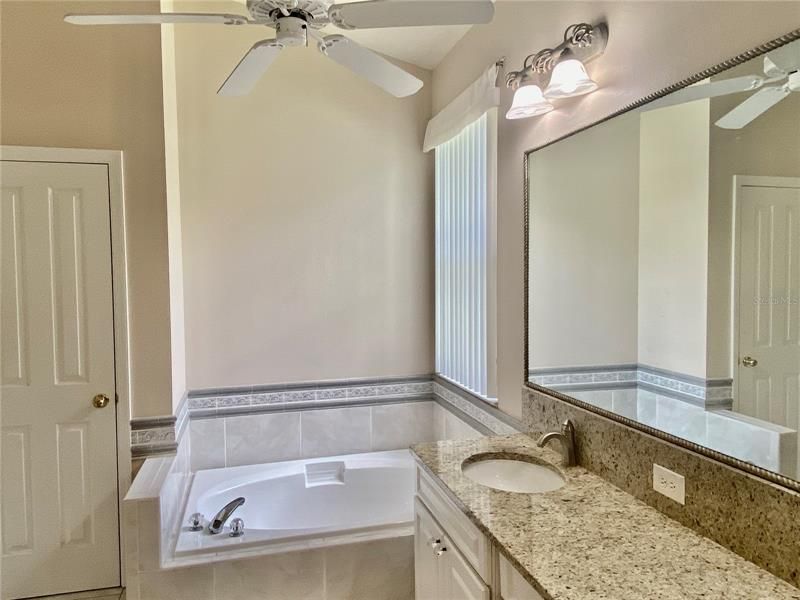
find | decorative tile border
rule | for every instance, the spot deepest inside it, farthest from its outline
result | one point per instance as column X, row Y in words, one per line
column 161, row 435
column 497, row 422
column 710, row 393
column 306, row 396
column 152, row 436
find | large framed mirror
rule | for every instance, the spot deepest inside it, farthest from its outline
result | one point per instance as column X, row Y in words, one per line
column 663, row 264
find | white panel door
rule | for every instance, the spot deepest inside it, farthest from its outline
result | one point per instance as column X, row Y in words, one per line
column 59, row 476
column 768, row 371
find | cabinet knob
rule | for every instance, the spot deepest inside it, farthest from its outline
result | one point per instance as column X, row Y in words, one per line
column 434, row 542
column 440, row 551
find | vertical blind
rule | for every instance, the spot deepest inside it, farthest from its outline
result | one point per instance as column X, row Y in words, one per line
column 462, row 204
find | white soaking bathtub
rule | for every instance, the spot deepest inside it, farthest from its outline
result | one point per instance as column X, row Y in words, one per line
column 302, row 504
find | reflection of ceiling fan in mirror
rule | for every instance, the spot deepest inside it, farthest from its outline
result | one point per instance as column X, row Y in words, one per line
column 781, row 77
column 295, row 21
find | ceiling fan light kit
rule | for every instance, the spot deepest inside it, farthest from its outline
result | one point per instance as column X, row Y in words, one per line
column 565, row 66
column 295, row 21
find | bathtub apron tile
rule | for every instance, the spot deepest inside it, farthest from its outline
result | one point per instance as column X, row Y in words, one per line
column 290, row 576
column 382, row 569
column 148, row 534
column 192, row 583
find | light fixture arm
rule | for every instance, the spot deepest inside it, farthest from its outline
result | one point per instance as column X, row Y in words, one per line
column 585, row 42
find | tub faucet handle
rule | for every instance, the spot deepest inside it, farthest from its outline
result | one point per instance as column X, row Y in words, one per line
column 196, row 522
column 237, row 527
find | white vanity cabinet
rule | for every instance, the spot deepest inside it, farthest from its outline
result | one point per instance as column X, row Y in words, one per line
column 512, row 585
column 440, row 571
column 453, row 560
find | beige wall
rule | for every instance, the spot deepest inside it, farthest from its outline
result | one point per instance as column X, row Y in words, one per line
column 652, row 44
column 73, row 87
column 584, row 248
column 307, row 219
column 174, row 225
column 673, row 237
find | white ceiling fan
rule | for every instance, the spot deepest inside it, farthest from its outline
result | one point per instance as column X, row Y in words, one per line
column 295, row 21
column 781, row 77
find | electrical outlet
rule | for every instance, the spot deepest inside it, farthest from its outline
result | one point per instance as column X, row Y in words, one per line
column 669, row 483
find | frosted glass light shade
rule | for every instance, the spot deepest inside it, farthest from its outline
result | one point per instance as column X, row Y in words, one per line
column 569, row 79
column 528, row 102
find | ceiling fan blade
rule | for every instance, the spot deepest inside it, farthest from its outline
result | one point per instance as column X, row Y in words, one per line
column 250, row 69
column 369, row 65
column 708, row 90
column 155, row 19
column 786, row 58
column 410, row 13
column 755, row 105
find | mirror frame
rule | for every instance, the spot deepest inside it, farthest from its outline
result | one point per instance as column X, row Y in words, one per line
column 736, row 463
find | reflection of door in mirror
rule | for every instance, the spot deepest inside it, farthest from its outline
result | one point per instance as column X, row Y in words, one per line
column 767, row 267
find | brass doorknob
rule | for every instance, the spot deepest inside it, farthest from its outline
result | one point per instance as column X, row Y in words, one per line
column 749, row 361
column 100, row 401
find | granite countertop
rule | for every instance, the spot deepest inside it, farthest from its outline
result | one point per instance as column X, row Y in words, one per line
column 591, row 540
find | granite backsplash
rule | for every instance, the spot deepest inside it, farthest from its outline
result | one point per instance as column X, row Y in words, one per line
column 756, row 519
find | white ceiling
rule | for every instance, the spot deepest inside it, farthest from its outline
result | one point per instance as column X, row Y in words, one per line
column 422, row 46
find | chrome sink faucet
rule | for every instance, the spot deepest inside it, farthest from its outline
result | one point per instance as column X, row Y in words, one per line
column 567, row 438
column 218, row 522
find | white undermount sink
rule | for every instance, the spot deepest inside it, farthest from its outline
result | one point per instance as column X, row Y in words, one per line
column 512, row 475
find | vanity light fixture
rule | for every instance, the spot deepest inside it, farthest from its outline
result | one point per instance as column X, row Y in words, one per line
column 565, row 65
column 569, row 79
column 529, row 101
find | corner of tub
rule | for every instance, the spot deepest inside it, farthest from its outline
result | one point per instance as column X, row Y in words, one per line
column 151, row 510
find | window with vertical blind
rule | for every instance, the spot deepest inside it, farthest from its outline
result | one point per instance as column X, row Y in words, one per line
column 465, row 256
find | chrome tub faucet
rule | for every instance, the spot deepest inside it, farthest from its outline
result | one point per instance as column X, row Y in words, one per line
column 567, row 438
column 218, row 522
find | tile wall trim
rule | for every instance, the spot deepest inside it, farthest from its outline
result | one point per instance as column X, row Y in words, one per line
column 708, row 393
column 493, row 419
column 308, row 396
column 306, row 385
column 154, row 436
column 238, row 411
column 467, row 393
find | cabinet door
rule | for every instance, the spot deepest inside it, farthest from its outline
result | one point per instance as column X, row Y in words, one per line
column 458, row 580
column 426, row 562
column 512, row 585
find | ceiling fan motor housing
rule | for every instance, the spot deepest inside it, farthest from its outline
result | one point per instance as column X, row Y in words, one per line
column 269, row 12
column 291, row 31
